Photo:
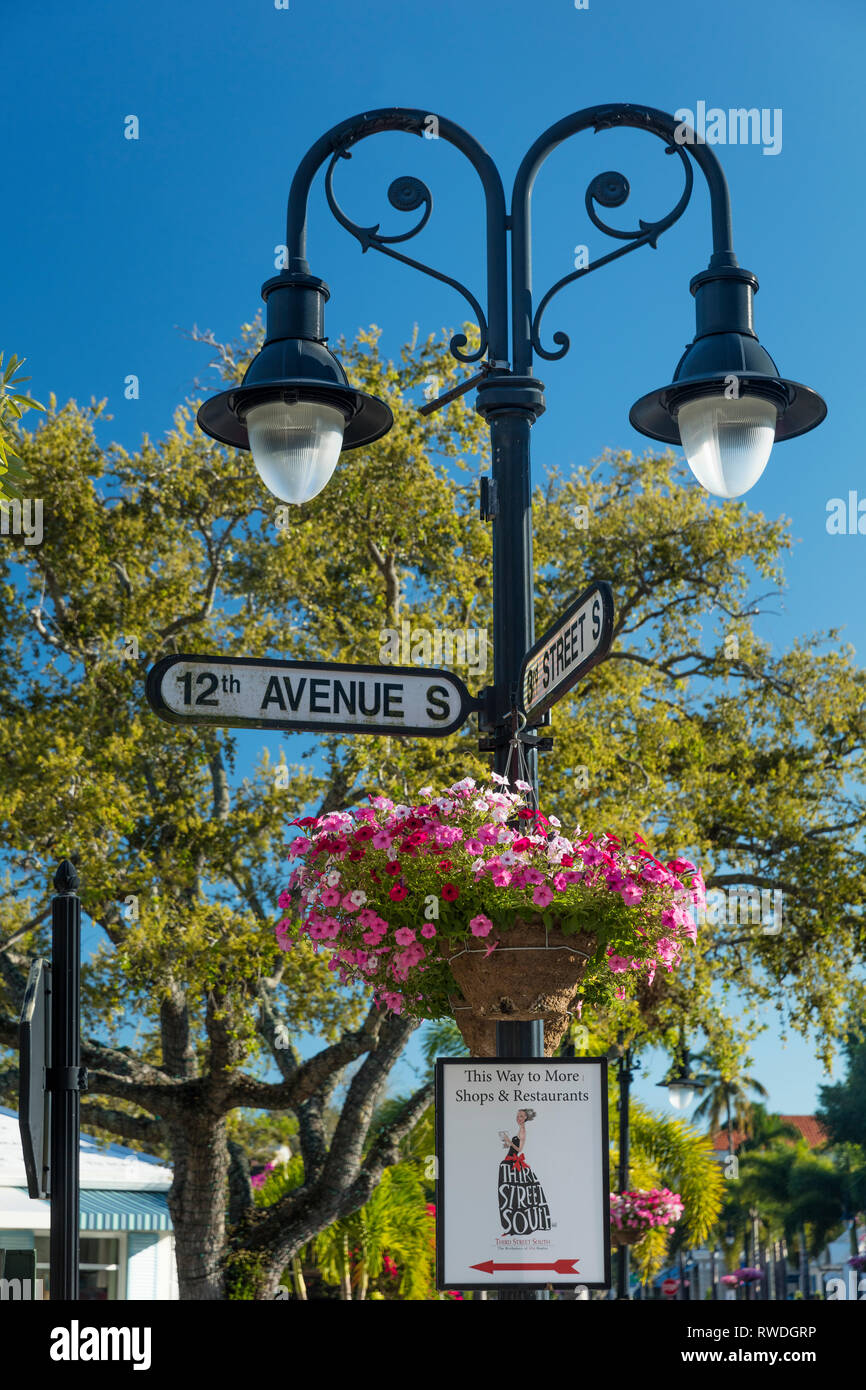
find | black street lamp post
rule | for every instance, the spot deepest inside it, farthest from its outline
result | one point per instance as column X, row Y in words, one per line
column 296, row 411
column 65, row 1081
column 627, row 1066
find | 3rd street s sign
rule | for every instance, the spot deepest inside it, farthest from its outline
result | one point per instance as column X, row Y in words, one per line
column 572, row 646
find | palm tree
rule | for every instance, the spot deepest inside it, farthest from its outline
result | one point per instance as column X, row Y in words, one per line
column 727, row 1093
column 767, row 1131
column 392, row 1233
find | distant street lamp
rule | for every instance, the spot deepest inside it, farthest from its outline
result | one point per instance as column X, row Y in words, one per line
column 681, row 1084
column 627, row 1066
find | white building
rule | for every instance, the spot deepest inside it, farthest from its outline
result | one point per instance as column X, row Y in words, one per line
column 127, row 1246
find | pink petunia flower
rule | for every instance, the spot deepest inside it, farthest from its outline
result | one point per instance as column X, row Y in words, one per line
column 480, row 925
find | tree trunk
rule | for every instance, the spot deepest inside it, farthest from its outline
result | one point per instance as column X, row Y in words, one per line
column 346, row 1280
column 197, row 1202
column 299, row 1281
column 730, row 1133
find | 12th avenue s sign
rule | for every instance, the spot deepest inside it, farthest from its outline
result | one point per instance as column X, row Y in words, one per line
column 247, row 693
column 572, row 646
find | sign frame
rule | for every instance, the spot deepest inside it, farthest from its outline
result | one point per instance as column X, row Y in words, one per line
column 469, row 704
column 604, row 590
column 34, row 1105
column 439, row 1130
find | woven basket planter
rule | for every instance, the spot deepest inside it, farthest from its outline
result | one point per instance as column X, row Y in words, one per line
column 533, row 973
column 618, row 1237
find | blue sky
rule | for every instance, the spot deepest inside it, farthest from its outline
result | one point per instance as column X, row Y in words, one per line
column 114, row 248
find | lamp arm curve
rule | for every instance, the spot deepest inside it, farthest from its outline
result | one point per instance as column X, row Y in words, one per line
column 609, row 190
column 407, row 194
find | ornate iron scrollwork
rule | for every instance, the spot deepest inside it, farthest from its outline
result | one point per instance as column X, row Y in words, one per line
column 407, row 194
column 610, row 190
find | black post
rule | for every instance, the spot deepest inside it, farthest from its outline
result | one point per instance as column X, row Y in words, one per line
column 803, row 1267
column 714, row 1275
column 64, row 1082
column 754, row 1291
column 510, row 418
column 625, row 1077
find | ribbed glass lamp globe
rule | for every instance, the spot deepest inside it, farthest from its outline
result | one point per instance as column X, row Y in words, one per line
column 727, row 441
column 295, row 445
column 680, row 1096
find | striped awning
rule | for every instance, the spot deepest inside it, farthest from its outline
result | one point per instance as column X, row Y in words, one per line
column 123, row 1211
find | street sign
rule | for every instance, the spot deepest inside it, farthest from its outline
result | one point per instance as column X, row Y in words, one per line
column 572, row 646
column 34, row 1104
column 669, row 1287
column 247, row 693
column 522, row 1192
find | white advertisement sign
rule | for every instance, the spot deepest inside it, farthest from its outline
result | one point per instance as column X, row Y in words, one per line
column 523, row 1186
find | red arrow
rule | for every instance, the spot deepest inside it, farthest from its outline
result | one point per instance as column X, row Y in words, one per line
column 558, row 1266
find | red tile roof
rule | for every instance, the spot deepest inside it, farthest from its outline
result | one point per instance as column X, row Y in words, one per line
column 809, row 1127
column 720, row 1139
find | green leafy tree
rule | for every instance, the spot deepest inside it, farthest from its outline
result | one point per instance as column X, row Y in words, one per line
column 13, row 404
column 793, row 1191
column 178, row 547
column 843, row 1104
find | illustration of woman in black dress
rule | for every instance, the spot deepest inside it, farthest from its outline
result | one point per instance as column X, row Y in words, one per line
column 523, row 1206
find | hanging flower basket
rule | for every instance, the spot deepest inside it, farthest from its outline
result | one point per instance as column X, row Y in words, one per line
column 633, row 1214
column 474, row 893
column 534, row 974
column 618, row 1238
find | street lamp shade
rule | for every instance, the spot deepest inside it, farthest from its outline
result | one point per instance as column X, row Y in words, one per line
column 727, row 403
column 295, row 409
column 680, row 1094
column 681, row 1084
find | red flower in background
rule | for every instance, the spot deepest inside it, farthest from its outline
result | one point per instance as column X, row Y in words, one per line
column 450, row 892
